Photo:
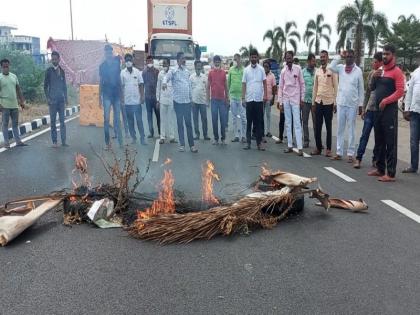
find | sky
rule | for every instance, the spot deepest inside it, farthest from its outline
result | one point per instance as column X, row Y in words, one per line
column 222, row 25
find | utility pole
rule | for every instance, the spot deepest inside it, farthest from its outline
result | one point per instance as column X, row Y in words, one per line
column 71, row 20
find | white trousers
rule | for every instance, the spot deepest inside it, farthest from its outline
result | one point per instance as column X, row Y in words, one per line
column 238, row 118
column 346, row 118
column 292, row 112
column 167, row 121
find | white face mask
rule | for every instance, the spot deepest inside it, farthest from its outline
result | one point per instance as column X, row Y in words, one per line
column 129, row 64
column 150, row 65
column 166, row 68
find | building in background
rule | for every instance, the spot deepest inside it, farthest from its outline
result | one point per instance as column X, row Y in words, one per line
column 24, row 43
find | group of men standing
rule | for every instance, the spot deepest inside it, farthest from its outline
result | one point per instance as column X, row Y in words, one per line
column 175, row 95
column 339, row 88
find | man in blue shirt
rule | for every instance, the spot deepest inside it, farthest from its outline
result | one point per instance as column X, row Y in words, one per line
column 110, row 93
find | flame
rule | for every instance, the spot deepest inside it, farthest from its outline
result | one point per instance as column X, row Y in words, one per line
column 165, row 204
column 81, row 169
column 167, row 161
column 208, row 177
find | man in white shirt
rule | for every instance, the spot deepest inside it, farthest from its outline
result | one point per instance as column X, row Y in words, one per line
column 412, row 113
column 165, row 104
column 132, row 92
column 349, row 101
column 254, row 93
column 199, row 99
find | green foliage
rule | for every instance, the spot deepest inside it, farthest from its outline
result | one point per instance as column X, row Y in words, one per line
column 405, row 35
column 315, row 32
column 30, row 75
column 367, row 23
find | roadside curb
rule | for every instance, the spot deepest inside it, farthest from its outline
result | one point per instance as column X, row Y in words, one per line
column 35, row 124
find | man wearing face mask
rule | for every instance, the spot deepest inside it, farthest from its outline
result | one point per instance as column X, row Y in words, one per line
column 234, row 82
column 55, row 89
column 133, row 96
column 254, row 93
column 217, row 92
column 165, row 103
column 388, row 84
column 181, row 85
column 199, row 99
column 350, row 98
column 150, row 78
column 110, row 93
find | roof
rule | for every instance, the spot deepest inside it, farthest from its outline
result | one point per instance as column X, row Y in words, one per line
column 80, row 59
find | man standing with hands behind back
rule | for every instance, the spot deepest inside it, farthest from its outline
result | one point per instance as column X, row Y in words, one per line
column 254, row 93
column 55, row 89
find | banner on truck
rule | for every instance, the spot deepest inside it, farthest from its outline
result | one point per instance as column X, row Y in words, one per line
column 173, row 17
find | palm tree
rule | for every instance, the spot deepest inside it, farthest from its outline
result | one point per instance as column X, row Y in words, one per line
column 287, row 35
column 246, row 50
column 275, row 49
column 315, row 32
column 380, row 27
column 360, row 17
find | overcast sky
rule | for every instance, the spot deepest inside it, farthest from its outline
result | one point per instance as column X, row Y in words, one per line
column 222, row 25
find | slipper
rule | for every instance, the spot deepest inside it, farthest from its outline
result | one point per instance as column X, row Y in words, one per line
column 336, row 158
column 386, row 179
column 375, row 173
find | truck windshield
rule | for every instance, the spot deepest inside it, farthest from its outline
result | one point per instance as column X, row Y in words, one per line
column 170, row 47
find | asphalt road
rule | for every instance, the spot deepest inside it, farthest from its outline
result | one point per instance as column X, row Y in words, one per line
column 318, row 262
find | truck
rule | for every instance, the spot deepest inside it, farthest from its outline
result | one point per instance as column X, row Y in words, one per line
column 170, row 31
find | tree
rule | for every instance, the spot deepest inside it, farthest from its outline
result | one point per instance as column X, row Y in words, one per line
column 244, row 51
column 405, row 35
column 362, row 18
column 288, row 35
column 315, row 32
column 275, row 49
column 30, row 75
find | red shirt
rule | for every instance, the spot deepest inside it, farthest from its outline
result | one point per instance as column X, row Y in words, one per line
column 217, row 82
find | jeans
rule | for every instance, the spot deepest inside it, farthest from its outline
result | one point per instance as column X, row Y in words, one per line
column 219, row 110
column 346, row 117
column 113, row 102
column 134, row 112
column 183, row 114
column 386, row 138
column 151, row 107
column 292, row 114
column 57, row 108
column 8, row 113
column 238, row 118
column 167, row 121
column 202, row 110
column 267, row 117
column 414, row 139
column 254, row 117
column 281, row 125
column 305, row 111
column 323, row 113
column 368, row 125
column 124, row 119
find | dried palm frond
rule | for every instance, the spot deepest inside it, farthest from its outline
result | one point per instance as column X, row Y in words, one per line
column 352, row 205
column 184, row 228
column 279, row 178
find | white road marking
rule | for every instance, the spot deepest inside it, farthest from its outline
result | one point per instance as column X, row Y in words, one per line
column 304, row 154
column 402, row 210
column 156, row 151
column 341, row 175
column 38, row 134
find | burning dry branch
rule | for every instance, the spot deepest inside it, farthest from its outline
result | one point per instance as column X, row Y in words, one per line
column 225, row 220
